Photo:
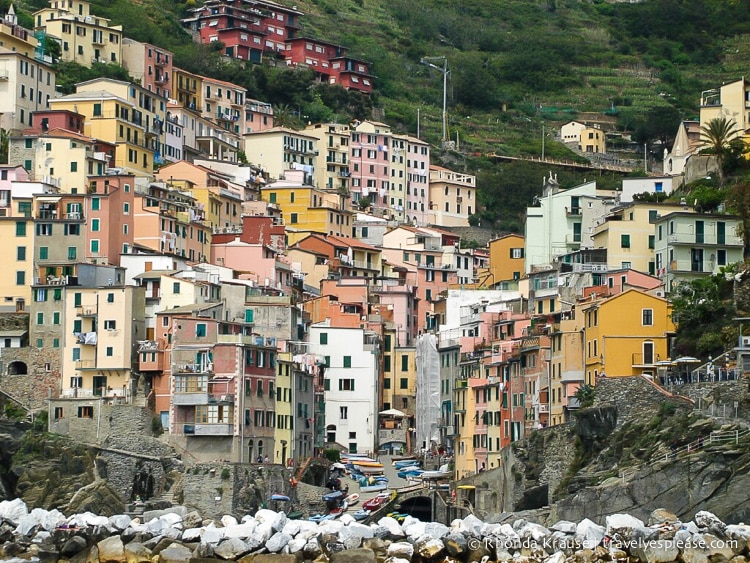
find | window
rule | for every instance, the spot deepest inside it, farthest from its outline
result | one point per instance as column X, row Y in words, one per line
column 293, row 218
column 71, row 253
column 74, row 167
column 21, row 253
column 20, row 278
column 346, row 385
column 110, row 298
column 403, row 383
column 648, row 317
column 387, row 383
column 110, row 325
column 97, row 110
column 20, row 228
column 40, row 318
column 404, row 362
column 176, row 287
column 85, row 412
column 110, row 351
column 343, row 413
column 200, row 330
column 95, row 225
column 516, row 253
column 347, row 361
column 324, row 338
column 624, row 241
column 651, row 241
column 56, row 318
column 95, row 204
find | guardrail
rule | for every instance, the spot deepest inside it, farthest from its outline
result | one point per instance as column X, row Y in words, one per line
column 726, row 437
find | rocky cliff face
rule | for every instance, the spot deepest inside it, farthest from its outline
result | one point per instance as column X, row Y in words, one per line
column 637, row 448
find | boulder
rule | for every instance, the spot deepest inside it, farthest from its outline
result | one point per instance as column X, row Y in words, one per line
column 13, row 510
column 120, row 521
column 192, row 520
column 111, row 550
column 377, row 545
column 136, row 552
column 473, row 525
column 73, row 546
column 455, row 544
column 175, row 553
column 558, row 557
column 228, row 520
column 403, row 550
column 212, row 535
column 589, row 533
column 656, row 551
column 274, row 558
column 352, row 535
column 312, row 549
column 231, row 549
column 354, row 556
column 428, row 548
column 718, row 548
column 278, row 542
column 621, row 521
column 707, row 521
column 564, row 526
column 662, row 516
column 295, row 545
column 392, row 527
column 242, row 531
column 436, row 529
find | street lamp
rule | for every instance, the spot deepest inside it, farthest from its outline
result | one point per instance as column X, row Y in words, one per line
column 445, row 71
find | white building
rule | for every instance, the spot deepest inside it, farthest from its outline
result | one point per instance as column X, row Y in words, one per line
column 351, row 384
column 651, row 185
column 555, row 225
column 26, row 86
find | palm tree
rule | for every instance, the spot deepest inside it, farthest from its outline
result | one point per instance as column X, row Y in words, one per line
column 717, row 137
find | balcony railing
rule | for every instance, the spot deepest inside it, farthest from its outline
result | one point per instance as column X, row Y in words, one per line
column 187, row 399
column 208, row 429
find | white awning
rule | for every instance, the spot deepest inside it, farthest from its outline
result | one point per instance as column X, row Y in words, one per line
column 48, row 199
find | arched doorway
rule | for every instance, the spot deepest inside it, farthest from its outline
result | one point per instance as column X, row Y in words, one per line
column 17, row 368
column 419, row 507
column 250, row 448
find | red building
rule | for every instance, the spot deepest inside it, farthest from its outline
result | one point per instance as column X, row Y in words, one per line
column 247, row 28
column 330, row 63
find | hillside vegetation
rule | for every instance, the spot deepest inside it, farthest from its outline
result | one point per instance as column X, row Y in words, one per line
column 515, row 66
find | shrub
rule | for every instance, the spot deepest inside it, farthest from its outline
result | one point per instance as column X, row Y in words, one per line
column 225, row 473
column 332, row 454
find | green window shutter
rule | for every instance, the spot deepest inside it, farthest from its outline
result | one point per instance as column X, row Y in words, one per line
column 324, row 338
column 347, row 361
column 77, row 325
column 327, row 385
column 248, row 315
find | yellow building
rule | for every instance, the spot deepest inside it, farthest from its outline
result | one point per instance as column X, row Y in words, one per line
column 592, row 140
column 626, row 335
column 465, row 409
column 84, row 38
column 26, row 86
column 14, row 37
column 280, row 150
column 307, row 209
column 103, row 325
column 283, row 437
column 453, row 197
column 566, row 369
column 628, row 234
column 17, row 230
column 332, row 161
column 506, row 261
column 123, row 114
column 187, row 89
column 729, row 100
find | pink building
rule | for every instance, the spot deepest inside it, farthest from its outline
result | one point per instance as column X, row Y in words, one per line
column 258, row 116
column 417, row 181
column 150, row 64
column 43, row 121
column 254, row 261
column 370, row 165
column 110, row 197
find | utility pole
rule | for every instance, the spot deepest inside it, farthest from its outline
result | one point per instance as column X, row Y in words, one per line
column 445, row 71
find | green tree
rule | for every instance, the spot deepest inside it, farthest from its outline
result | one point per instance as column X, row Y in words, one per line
column 4, row 139
column 718, row 138
column 585, row 395
column 738, row 201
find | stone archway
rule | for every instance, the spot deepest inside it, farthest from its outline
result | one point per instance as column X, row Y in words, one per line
column 18, row 368
column 418, row 507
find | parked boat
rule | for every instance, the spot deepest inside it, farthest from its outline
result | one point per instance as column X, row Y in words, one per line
column 375, row 502
column 352, row 499
column 410, row 473
column 334, row 495
column 443, row 473
column 361, row 514
column 369, row 469
column 374, row 488
column 280, row 497
column 295, row 515
column 405, row 463
column 400, row 458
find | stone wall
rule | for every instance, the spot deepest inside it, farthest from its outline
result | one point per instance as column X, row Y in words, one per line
column 635, row 398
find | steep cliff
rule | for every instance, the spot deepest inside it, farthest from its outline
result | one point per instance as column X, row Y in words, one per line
column 637, row 449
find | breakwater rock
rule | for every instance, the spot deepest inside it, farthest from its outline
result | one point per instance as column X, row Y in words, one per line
column 177, row 535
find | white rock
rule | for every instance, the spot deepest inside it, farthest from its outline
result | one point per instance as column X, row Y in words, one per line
column 590, row 533
column 263, row 532
column 564, row 526
column 265, row 515
column 228, row 520
column 396, row 560
column 212, row 535
column 473, row 524
column 408, row 521
column 489, row 530
column 172, row 519
column 436, row 529
column 295, row 545
column 292, row 527
column 330, row 527
column 691, row 527
column 620, row 521
column 415, row 529
column 402, row 549
column 279, row 522
column 346, row 519
column 278, row 542
column 508, row 534
column 353, row 534
column 717, row 547
column 192, row 534
column 88, row 519
column 231, row 549
column 242, row 531
column 706, row 519
column 429, row 548
column 51, row 519
column 120, row 521
column 392, row 526
column 534, row 532
column 13, row 510
column 174, row 553
column 458, row 526
column 28, row 524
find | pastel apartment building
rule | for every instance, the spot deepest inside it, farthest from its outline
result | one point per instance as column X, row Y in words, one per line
column 26, row 86
column 332, row 162
column 330, row 62
column 279, row 150
column 152, row 66
column 84, row 37
column 370, row 164
column 453, row 197
column 258, row 116
column 16, row 38
column 414, row 186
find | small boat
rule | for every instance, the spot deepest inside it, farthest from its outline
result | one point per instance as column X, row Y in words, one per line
column 397, row 459
column 443, row 473
column 361, row 514
column 375, row 503
column 320, row 517
column 295, row 515
column 280, row 497
column 334, row 495
column 405, row 463
column 352, row 499
column 373, row 488
column 410, row 473
column 370, row 469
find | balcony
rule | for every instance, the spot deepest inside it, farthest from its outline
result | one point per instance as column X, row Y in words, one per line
column 573, row 211
column 542, row 408
column 151, row 360
column 190, row 399
column 573, row 239
column 85, row 364
column 86, row 311
column 208, row 429
column 573, row 403
column 197, row 368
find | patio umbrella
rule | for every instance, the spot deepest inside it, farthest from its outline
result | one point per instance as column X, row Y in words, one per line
column 393, row 412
